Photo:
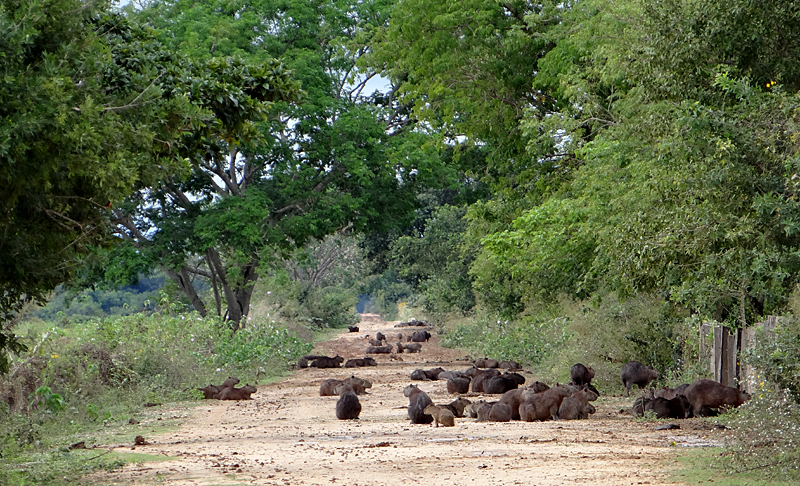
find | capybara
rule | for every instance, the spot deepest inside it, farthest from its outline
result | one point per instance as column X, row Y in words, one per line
column 426, row 375
column 417, row 401
column 347, row 407
column 472, row 409
column 574, row 406
column 359, row 362
column 446, row 375
column 544, row 405
column 497, row 385
column 510, row 365
column 478, row 379
column 538, row 387
column 457, row 406
column 211, row 391
column 411, row 347
column 399, row 336
column 590, row 387
column 379, row 336
column 375, row 342
column 327, row 362
column 420, row 336
column 513, row 398
column 681, row 390
column 707, row 396
column 638, row 406
column 303, row 362
column 242, row 393
column 665, row 392
column 352, row 328
column 580, row 374
column 380, row 349
column 483, row 411
column 487, row 363
column 441, row 416
column 419, row 375
column 328, row 387
column 229, row 383
column 500, row 412
column 677, row 407
column 635, row 373
column 458, row 385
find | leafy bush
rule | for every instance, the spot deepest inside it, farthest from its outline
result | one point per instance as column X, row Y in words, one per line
column 777, row 357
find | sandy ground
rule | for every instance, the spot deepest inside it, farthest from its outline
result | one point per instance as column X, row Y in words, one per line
column 289, row 435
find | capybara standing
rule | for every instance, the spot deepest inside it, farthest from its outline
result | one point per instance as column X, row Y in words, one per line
column 458, row 385
column 417, row 401
column 575, row 407
column 242, row 393
column 441, row 416
column 410, row 347
column 708, row 396
column 580, row 374
column 544, row 405
column 635, row 373
column 347, row 407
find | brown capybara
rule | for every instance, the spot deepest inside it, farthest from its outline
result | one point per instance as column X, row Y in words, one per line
column 677, row 408
column 426, row 375
column 500, row 412
column 328, row 387
column 376, row 342
column 539, row 387
column 458, row 385
column 472, row 409
column 446, row 375
column 327, row 362
column 483, row 411
column 420, row 336
column 635, row 373
column 708, row 397
column 211, row 391
column 303, row 362
column 510, row 365
column 681, row 390
column 441, row 416
column 419, row 375
column 513, row 398
column 417, row 401
column 664, row 392
column 242, row 393
column 399, row 336
column 544, row 405
column 480, row 377
column 497, row 385
column 380, row 337
column 487, row 363
column 360, row 362
column 411, row 347
column 574, row 406
column 380, row 349
column 457, row 406
column 229, row 383
column 352, row 328
column 637, row 408
column 580, row 374
column 347, row 407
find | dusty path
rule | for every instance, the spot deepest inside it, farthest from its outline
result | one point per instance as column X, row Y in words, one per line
column 289, row 435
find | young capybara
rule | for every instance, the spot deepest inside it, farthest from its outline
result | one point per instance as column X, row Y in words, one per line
column 635, row 373
column 707, row 397
column 580, row 374
column 380, row 349
column 544, row 405
column 677, row 407
column 328, row 387
column 457, row 406
column 472, row 409
column 242, row 393
column 574, row 406
column 487, row 363
column 497, row 385
column 481, row 376
column 347, row 407
column 458, row 385
column 327, row 362
column 510, row 365
column 211, row 391
column 441, row 416
column 417, row 401
column 360, row 362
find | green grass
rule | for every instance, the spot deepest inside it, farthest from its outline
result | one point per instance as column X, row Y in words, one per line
column 713, row 465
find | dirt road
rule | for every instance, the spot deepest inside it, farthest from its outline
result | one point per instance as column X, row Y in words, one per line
column 289, row 435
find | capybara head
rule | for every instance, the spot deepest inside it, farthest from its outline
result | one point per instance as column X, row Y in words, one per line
column 410, row 389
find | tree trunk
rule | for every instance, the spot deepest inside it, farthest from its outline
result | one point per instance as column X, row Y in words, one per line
column 238, row 294
column 184, row 283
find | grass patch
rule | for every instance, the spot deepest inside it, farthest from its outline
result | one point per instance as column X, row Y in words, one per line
column 713, row 464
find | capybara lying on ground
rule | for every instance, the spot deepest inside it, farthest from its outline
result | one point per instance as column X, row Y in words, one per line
column 635, row 373
column 426, row 375
column 360, row 362
column 380, row 349
column 328, row 387
column 544, row 405
column 446, row 375
column 480, row 376
column 242, row 393
column 327, row 362
column 575, row 407
column 497, row 385
column 375, row 342
column 494, row 412
column 472, row 409
column 707, row 396
column 510, row 365
column 441, row 415
column 211, row 391
column 347, row 407
column 352, row 328
column 580, row 374
column 457, row 406
column 677, row 407
column 487, row 363
column 458, row 385
column 303, row 362
column 417, row 401
column 420, row 336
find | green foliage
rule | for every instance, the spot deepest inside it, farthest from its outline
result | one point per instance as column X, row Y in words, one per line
column 776, row 356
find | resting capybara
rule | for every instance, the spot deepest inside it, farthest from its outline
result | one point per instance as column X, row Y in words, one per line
column 347, row 407
column 483, row 411
column 677, row 407
column 441, row 415
column 242, row 393
column 665, row 392
column 417, row 401
column 359, row 362
column 510, row 365
column 472, row 409
column 380, row 337
column 544, row 405
column 458, row 385
column 426, row 375
column 420, row 336
column 635, row 373
column 229, row 383
column 303, row 362
column 375, row 342
column 327, row 362
column 379, row 349
column 574, row 406
column 410, row 347
column 352, row 328
column 480, row 377
column 446, row 375
column 681, row 390
column 500, row 412
column 580, row 374
column 513, row 398
column 211, row 391
column 497, row 385
column 637, row 408
column 487, row 363
column 457, row 406
column 328, row 387
column 707, row 396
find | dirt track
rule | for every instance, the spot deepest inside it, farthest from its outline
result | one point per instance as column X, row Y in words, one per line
column 289, row 435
